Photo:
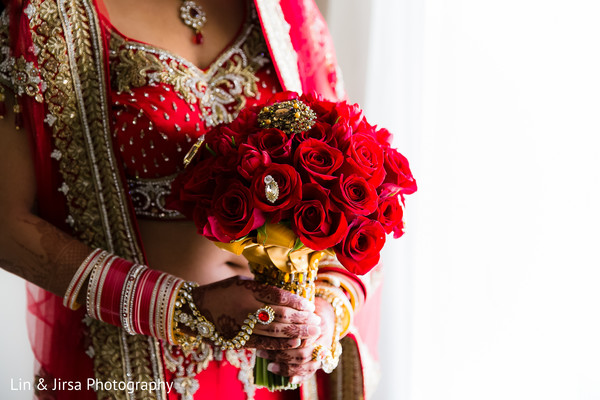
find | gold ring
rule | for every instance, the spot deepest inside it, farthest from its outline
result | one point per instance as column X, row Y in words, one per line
column 317, row 353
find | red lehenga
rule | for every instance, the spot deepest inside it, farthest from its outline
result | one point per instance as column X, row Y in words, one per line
column 110, row 121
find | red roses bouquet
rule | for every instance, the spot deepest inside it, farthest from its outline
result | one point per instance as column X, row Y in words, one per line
column 287, row 181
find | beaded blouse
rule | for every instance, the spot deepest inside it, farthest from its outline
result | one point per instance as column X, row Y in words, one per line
column 161, row 104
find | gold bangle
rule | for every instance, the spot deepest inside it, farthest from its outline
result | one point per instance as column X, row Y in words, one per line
column 330, row 358
column 342, row 306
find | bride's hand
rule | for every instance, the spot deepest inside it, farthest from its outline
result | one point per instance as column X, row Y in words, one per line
column 227, row 304
column 298, row 363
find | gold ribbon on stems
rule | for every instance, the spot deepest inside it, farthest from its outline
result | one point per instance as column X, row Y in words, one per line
column 275, row 244
column 278, row 258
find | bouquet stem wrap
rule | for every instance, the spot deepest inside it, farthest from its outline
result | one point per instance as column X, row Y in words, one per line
column 276, row 259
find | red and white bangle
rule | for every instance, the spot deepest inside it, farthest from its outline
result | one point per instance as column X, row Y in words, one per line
column 84, row 270
column 128, row 297
column 126, row 294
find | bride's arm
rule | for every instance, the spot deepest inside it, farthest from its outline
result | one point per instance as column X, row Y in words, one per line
column 40, row 253
column 30, row 247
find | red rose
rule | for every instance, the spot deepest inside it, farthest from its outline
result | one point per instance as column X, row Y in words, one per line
column 317, row 160
column 364, row 157
column 246, row 122
column 359, row 250
column 350, row 114
column 273, row 141
column 390, row 214
column 320, row 131
column 191, row 188
column 354, row 195
column 398, row 174
column 315, row 222
column 232, row 214
column 384, row 137
column 251, row 160
column 289, row 186
column 341, row 131
column 324, row 109
column 221, row 141
column 281, row 96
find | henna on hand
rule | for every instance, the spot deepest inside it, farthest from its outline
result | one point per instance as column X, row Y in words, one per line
column 272, row 295
column 293, row 356
column 270, row 343
column 290, row 316
column 291, row 331
column 305, row 369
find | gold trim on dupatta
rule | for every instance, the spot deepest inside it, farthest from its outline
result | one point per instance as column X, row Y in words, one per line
column 70, row 56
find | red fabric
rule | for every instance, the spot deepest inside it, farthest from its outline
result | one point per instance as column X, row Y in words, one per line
column 220, row 381
column 317, row 63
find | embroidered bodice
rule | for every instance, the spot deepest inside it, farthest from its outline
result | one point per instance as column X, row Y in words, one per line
column 161, row 104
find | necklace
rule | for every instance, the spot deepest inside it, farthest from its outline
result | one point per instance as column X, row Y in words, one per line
column 194, row 17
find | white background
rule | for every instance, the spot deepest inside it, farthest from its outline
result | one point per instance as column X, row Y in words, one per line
column 493, row 292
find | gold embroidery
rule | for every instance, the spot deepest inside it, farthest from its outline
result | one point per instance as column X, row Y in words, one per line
column 221, row 91
column 26, row 79
column 20, row 75
column 346, row 381
column 186, row 366
column 107, row 358
column 6, row 61
column 70, row 60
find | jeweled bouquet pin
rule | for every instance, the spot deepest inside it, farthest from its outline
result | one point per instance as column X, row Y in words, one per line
column 289, row 181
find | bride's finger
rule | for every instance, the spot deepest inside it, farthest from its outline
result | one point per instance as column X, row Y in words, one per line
column 291, row 331
column 289, row 315
column 293, row 356
column 260, row 342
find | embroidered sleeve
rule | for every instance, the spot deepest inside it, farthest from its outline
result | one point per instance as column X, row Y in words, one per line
column 6, row 60
column 18, row 74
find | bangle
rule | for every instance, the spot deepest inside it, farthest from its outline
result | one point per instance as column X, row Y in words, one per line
column 342, row 309
column 125, row 294
column 128, row 297
column 93, row 284
column 70, row 297
column 349, row 286
column 342, row 306
column 114, row 282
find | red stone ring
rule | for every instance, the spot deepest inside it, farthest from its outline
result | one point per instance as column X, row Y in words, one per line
column 265, row 315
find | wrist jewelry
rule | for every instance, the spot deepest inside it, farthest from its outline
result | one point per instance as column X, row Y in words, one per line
column 330, row 357
column 84, row 270
column 206, row 329
column 341, row 304
column 125, row 294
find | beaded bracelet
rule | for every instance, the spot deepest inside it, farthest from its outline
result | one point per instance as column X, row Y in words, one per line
column 206, row 329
